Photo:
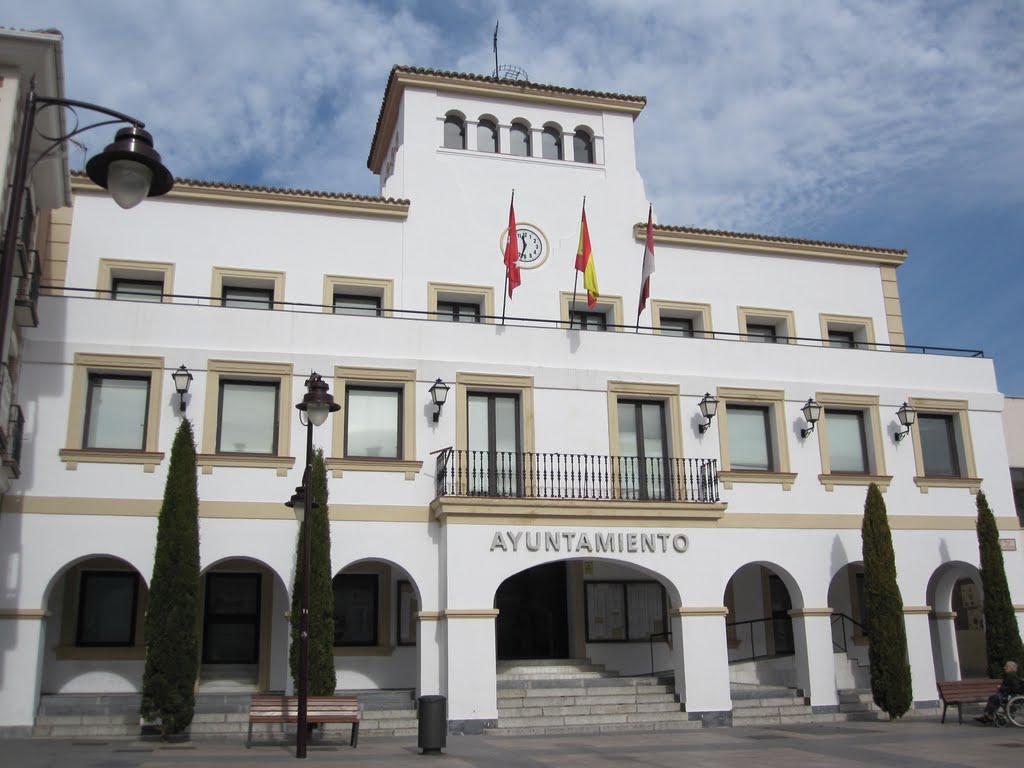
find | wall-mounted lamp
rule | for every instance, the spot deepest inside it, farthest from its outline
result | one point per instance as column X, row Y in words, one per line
column 182, row 380
column 438, row 394
column 811, row 412
column 907, row 416
column 708, row 408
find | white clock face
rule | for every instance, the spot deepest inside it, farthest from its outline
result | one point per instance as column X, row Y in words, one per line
column 530, row 243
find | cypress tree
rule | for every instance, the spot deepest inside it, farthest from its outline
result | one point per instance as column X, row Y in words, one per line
column 1002, row 636
column 322, row 679
column 172, row 638
column 887, row 633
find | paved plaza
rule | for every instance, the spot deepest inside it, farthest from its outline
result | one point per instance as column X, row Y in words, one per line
column 911, row 743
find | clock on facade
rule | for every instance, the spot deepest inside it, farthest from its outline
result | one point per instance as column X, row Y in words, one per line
column 531, row 243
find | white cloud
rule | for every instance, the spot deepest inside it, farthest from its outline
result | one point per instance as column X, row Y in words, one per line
column 760, row 114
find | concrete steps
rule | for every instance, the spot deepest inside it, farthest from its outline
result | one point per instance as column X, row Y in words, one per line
column 761, row 706
column 217, row 716
column 857, row 704
column 570, row 696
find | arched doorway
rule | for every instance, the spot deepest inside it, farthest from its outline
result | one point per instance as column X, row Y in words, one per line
column 94, row 640
column 533, row 620
column 759, row 628
column 240, row 643
column 850, row 627
column 958, row 621
column 377, row 631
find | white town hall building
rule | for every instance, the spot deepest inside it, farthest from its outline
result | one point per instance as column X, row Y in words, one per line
column 569, row 501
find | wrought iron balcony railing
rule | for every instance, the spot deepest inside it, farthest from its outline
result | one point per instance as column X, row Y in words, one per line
column 15, row 432
column 502, row 474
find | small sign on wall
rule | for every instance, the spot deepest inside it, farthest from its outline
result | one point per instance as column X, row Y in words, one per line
column 1008, row 545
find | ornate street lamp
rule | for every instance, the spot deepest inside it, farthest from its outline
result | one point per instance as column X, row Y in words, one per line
column 130, row 168
column 317, row 404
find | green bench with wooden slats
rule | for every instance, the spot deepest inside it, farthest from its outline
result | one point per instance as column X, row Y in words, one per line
column 965, row 692
column 275, row 708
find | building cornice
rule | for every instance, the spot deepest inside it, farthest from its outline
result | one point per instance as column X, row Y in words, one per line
column 271, row 197
column 485, row 86
column 783, row 246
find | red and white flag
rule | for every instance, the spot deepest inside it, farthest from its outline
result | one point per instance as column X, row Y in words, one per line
column 648, row 268
column 512, row 249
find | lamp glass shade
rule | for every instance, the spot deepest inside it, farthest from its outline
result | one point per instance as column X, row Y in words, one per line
column 297, row 503
column 811, row 411
column 317, row 413
column 709, row 405
column 129, row 182
column 182, row 379
column 439, row 392
column 907, row 415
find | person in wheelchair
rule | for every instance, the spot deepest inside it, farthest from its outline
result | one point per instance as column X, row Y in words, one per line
column 1011, row 686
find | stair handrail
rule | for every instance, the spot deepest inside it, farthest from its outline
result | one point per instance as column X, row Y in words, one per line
column 731, row 628
column 842, row 619
column 666, row 636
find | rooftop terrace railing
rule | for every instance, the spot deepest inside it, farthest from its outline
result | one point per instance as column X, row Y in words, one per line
column 509, row 320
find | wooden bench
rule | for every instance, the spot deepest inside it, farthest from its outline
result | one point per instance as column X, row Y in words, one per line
column 275, row 708
column 965, row 692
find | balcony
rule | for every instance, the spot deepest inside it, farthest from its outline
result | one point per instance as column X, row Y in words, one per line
column 11, row 431
column 26, row 301
column 566, row 485
column 12, row 441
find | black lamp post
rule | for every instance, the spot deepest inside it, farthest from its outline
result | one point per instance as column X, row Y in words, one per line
column 317, row 404
column 130, row 168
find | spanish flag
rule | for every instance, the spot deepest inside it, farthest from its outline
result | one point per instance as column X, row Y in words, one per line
column 585, row 262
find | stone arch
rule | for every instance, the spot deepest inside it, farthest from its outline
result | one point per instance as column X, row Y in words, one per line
column 599, row 608
column 454, row 130
column 584, row 145
column 849, row 625
column 94, row 637
column 244, row 637
column 759, row 596
column 957, row 625
column 379, row 601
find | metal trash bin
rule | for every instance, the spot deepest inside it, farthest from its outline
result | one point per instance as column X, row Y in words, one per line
column 433, row 723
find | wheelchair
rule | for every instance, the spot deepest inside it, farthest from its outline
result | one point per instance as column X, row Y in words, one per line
column 1010, row 711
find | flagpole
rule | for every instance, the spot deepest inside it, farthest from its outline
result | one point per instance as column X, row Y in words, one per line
column 639, row 305
column 644, row 277
column 504, row 296
column 496, row 49
column 576, row 280
column 511, row 204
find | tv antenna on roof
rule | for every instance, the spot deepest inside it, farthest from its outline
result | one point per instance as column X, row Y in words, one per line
column 506, row 71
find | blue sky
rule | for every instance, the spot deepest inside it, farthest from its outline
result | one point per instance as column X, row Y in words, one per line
column 899, row 124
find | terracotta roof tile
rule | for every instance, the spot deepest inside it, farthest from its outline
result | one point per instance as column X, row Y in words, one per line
column 777, row 239
column 275, row 190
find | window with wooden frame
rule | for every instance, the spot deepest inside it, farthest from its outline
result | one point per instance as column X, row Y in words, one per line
column 127, row 280
column 850, row 441
column 943, row 448
column 773, row 326
column 375, row 429
column 247, row 288
column 247, row 416
column 755, row 420
column 115, row 407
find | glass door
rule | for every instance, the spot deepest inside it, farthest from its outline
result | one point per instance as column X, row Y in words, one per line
column 493, row 465
column 643, row 447
column 231, row 618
